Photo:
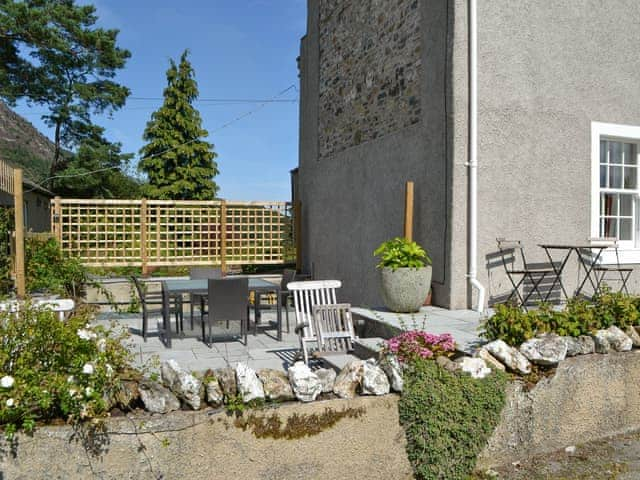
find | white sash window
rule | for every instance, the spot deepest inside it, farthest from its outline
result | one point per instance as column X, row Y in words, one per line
column 615, row 181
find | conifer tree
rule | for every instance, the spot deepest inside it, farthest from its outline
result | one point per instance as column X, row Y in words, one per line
column 52, row 54
column 178, row 161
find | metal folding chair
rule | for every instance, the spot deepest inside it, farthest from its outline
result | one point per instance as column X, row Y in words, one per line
column 602, row 272
column 518, row 271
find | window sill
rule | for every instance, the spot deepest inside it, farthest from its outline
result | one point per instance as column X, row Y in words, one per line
column 627, row 256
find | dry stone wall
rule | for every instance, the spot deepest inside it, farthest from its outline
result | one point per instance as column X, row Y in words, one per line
column 370, row 61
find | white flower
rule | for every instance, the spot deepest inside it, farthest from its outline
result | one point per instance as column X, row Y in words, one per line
column 71, row 379
column 72, row 392
column 7, row 381
column 87, row 369
column 109, row 370
column 102, row 345
column 85, row 334
column 88, row 391
column 10, row 403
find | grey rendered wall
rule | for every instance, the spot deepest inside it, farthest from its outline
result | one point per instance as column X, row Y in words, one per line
column 38, row 214
column 546, row 70
column 353, row 200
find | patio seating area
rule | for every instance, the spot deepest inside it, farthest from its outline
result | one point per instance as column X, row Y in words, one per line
column 533, row 283
column 262, row 350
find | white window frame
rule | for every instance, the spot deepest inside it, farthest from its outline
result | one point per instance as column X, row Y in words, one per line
column 607, row 131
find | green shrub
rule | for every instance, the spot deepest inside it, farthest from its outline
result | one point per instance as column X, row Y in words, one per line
column 579, row 317
column 49, row 269
column 53, row 369
column 448, row 418
column 6, row 227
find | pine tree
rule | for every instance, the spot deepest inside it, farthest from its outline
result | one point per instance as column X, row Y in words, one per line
column 178, row 162
column 52, row 54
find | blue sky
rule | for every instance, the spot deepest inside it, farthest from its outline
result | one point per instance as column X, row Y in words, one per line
column 243, row 49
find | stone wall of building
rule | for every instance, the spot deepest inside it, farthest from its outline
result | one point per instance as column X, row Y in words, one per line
column 370, row 61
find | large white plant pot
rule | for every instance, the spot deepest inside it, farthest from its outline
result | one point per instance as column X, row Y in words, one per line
column 405, row 289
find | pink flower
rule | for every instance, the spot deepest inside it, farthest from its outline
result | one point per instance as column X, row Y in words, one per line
column 419, row 344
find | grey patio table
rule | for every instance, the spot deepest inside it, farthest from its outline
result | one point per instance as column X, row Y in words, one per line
column 567, row 250
column 199, row 287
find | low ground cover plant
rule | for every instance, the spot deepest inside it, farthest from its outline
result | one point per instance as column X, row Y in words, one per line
column 53, row 369
column 579, row 317
column 447, row 416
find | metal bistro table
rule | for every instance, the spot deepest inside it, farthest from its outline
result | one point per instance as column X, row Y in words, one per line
column 588, row 268
column 199, row 287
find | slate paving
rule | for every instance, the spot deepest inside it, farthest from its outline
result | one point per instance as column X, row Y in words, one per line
column 462, row 324
column 264, row 350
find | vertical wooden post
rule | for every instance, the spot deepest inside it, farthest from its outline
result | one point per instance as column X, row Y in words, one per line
column 408, row 212
column 143, row 236
column 18, row 210
column 56, row 224
column 297, row 232
column 223, row 236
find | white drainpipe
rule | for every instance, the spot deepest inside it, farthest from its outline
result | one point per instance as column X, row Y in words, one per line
column 473, row 157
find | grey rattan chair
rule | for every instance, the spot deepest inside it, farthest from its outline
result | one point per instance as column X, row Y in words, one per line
column 201, row 273
column 288, row 276
column 226, row 300
column 155, row 298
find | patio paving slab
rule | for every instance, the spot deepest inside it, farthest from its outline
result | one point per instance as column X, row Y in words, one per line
column 262, row 350
column 462, row 324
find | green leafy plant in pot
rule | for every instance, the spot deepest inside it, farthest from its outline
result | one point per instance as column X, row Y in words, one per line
column 405, row 274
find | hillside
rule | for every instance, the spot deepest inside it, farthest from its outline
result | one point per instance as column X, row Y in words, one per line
column 22, row 145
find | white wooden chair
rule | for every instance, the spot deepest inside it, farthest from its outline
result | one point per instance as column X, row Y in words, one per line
column 306, row 295
column 333, row 325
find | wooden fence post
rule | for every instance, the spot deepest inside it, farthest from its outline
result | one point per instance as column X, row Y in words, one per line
column 297, row 232
column 143, row 236
column 408, row 212
column 18, row 201
column 56, row 224
column 223, row 236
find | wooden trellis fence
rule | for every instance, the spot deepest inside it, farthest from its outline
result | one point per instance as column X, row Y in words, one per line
column 149, row 233
column 11, row 183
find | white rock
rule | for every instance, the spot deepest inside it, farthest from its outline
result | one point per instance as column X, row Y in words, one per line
column 548, row 349
column 306, row 384
column 158, row 399
column 215, row 395
column 489, row 359
column 349, row 379
column 182, row 383
column 511, row 357
column 276, row 384
column 249, row 385
column 633, row 334
column 391, row 366
column 582, row 345
column 327, row 378
column 571, row 449
column 374, row 380
column 612, row 339
column 476, row 367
